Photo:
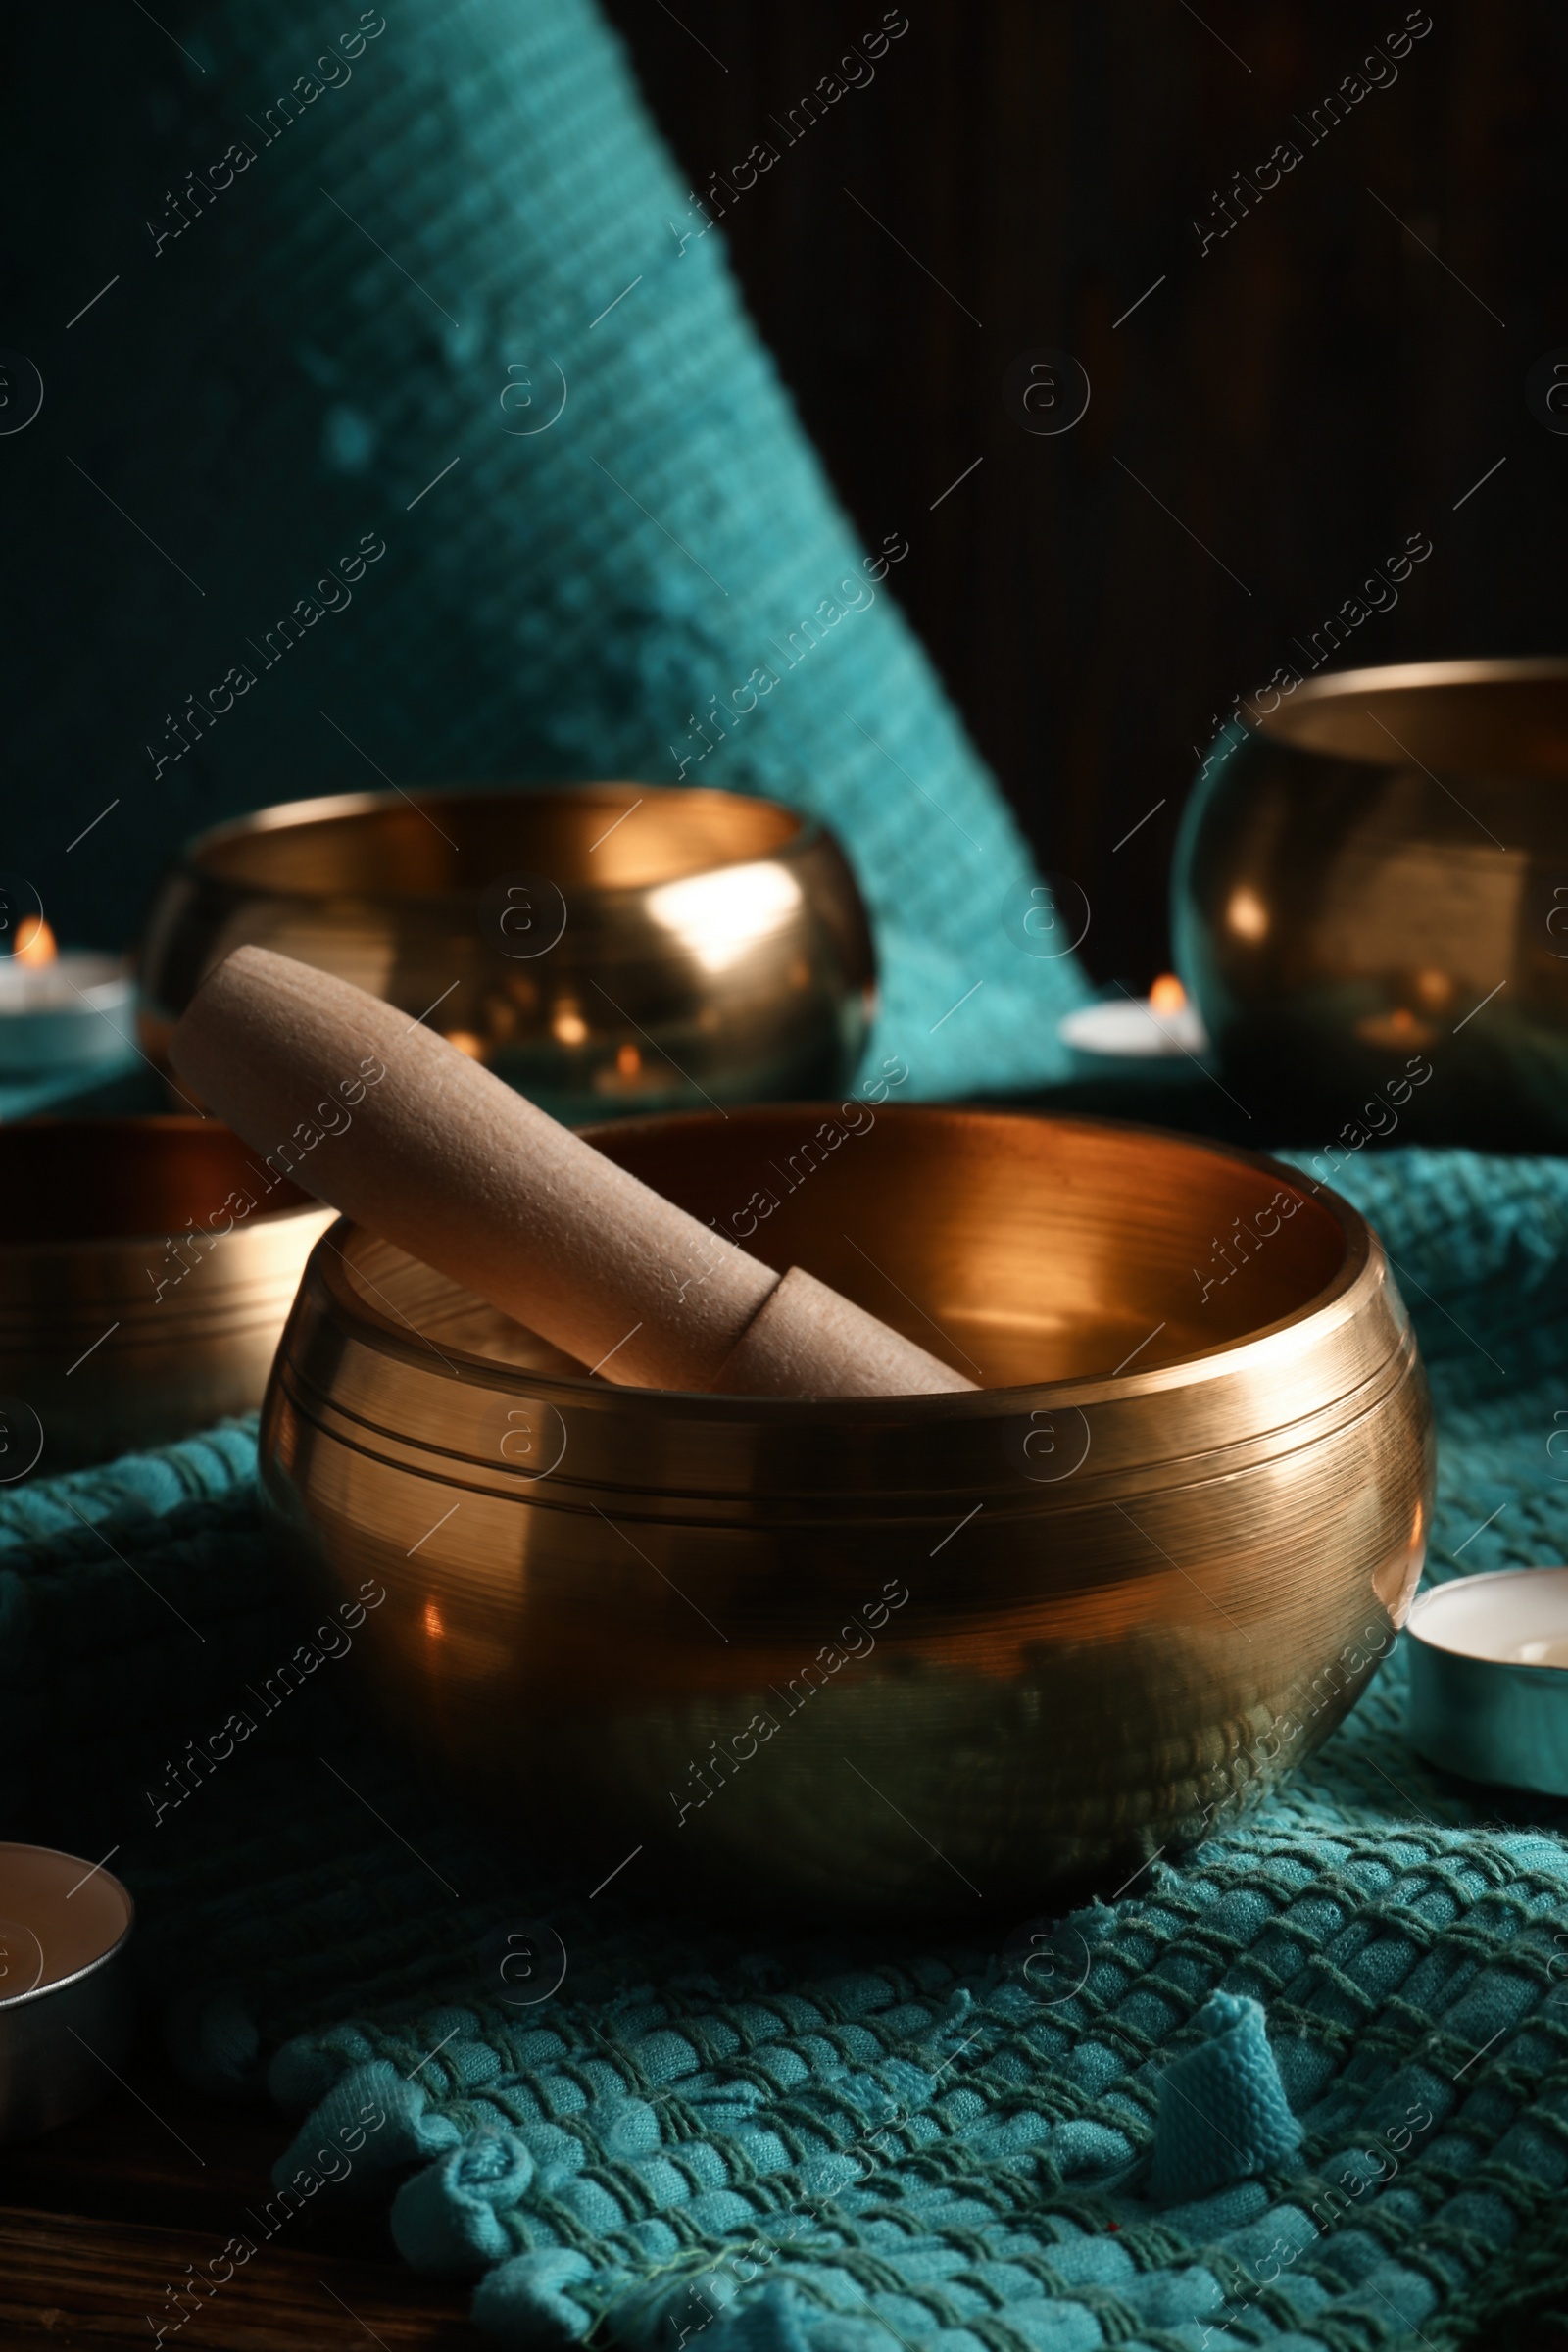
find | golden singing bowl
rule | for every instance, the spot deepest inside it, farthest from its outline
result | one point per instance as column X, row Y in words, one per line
column 138, row 1300
column 1370, row 905
column 605, row 948
column 886, row 1657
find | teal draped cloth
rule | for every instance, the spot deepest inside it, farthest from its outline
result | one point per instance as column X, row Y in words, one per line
column 820, row 2143
column 407, row 442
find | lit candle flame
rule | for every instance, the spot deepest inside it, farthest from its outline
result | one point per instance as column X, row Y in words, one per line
column 1167, row 993
column 36, row 941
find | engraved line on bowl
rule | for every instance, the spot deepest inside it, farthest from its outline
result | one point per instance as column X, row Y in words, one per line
column 608, row 829
column 1181, row 527
column 1138, row 828
column 386, row 779
column 397, row 1833
column 663, row 1050
column 430, row 1008
column 88, row 306
column 1480, row 1531
column 615, row 1872
column 435, row 2053
column 953, row 1008
column 135, row 2094
column 430, row 485
column 919, row 264
column 353, row 2315
column 392, row 258
column 1144, row 296
column 97, row 821
column 951, row 486
column 168, row 36
column 1482, row 1006
column 658, row 525
column 1437, row 257
column 357, row 1274
column 1481, row 485
column 1192, row 1058
column 86, row 1352
column 430, row 1531
column 1138, row 1350
column 609, row 306
column 135, row 524
column 1180, row 1571
column 957, row 1531
column 920, row 1833
column 1137, row 1873
column 1405, row 1276
column 134, row 1570
column 659, row 1572
column 1431, row 778
column 691, row 36
column 91, row 1874
column 905, row 774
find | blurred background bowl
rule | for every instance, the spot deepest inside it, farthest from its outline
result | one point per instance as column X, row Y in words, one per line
column 1004, row 1639
column 138, row 1300
column 1374, row 882
column 604, row 948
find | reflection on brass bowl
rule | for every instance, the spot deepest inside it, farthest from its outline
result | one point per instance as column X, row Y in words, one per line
column 1370, row 905
column 605, row 948
column 883, row 1658
column 138, row 1300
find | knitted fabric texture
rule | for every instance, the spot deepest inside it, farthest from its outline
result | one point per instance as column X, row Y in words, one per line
column 1222, row 2113
column 443, row 450
column 835, row 2144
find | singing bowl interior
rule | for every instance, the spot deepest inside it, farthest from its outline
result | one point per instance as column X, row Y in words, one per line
column 388, row 848
column 1373, row 885
column 1004, row 1638
column 135, row 1304
column 607, row 947
column 1476, row 718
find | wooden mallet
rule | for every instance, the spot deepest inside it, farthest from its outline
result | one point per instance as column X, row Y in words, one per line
column 444, row 1159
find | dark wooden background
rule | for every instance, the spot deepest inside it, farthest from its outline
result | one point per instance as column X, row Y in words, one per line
column 1314, row 389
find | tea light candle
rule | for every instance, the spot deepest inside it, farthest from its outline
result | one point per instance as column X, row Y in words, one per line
column 61, row 1011
column 66, row 2012
column 1159, row 1036
column 1488, row 1678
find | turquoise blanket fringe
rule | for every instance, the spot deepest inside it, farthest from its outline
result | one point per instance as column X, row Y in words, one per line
column 846, row 2144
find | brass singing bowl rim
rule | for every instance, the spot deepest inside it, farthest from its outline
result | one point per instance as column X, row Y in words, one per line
column 1291, row 722
column 780, row 832
column 67, row 1140
column 1361, row 1268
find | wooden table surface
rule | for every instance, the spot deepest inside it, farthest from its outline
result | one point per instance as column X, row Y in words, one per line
column 98, row 2217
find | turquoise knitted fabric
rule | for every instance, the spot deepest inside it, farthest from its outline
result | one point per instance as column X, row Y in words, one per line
column 1222, row 2113
column 788, row 2141
column 439, row 449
